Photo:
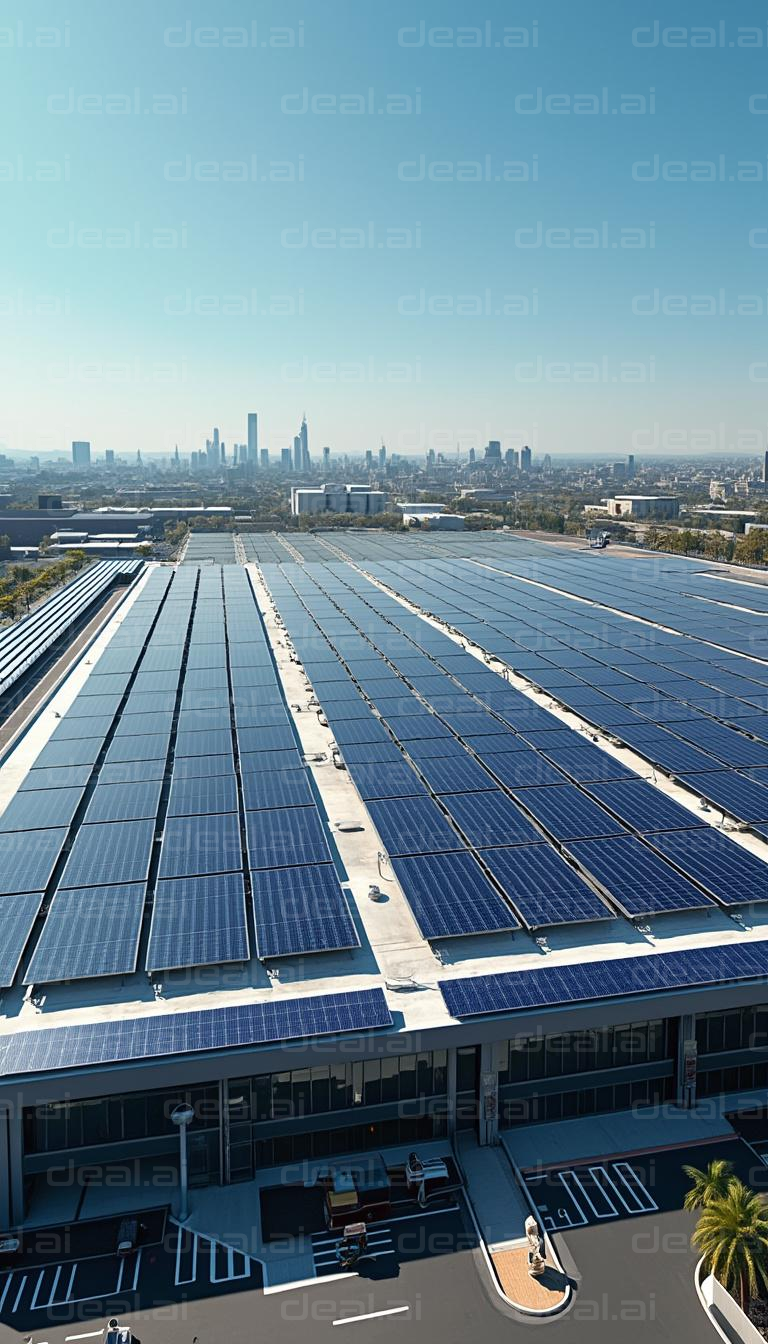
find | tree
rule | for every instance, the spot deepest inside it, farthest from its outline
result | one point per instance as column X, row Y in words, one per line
column 707, row 1184
column 732, row 1234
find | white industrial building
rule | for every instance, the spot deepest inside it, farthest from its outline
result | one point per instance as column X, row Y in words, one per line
column 638, row 506
column 432, row 516
column 335, row 498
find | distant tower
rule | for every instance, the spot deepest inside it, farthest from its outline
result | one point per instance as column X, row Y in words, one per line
column 264, row 457
column 630, row 464
column 471, row 457
column 176, row 456
column 253, row 437
column 382, row 457
column 297, row 453
column 369, row 460
column 81, row 453
column 305, row 462
column 525, row 459
column 765, row 469
column 326, row 458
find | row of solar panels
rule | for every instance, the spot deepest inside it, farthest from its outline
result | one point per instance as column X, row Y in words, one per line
column 99, row 870
column 24, row 643
column 542, row 886
column 677, row 737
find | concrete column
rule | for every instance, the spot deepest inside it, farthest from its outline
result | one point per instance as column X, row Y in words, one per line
column 685, row 1075
column 451, row 1090
column 488, row 1101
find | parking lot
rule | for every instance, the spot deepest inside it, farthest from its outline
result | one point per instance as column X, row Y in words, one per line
column 576, row 1196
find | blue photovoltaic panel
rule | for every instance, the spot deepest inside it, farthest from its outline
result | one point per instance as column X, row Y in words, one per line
column 211, row 743
column 360, row 730
column 471, row 724
column 727, row 870
column 410, row 727
column 148, row 703
column 195, row 846
column 496, row 744
column 372, row 752
column 284, row 788
column 122, row 801
column 491, row 819
column 265, row 739
column 143, row 724
column 17, row 916
column 78, row 751
column 636, row 878
column 731, row 792
column 88, row 706
column 300, row 910
column 132, row 772
column 667, row 751
column 524, row 770
column 32, row 810
column 435, row 748
column 618, row 977
column 87, row 933
column 27, row 859
column 643, row 807
column 193, row 767
column 281, row 839
column 386, row 781
column 726, row 744
column 450, row 896
column 413, row 826
column 202, row 793
column 198, row 921
column 159, row 1035
column 260, row 716
column 56, row 777
column 137, row 748
column 259, row 761
column 455, row 774
column 109, row 853
column 543, row 887
column 586, row 763
column 568, row 814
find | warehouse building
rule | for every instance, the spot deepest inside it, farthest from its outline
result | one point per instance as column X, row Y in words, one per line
column 196, row 832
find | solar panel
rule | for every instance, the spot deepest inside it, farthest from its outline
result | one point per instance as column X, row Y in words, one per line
column 56, row 777
column 360, row 730
column 281, row 839
column 413, row 826
column 284, row 788
column 132, row 772
column 198, row 921
column 666, row 751
column 147, row 702
column 365, row 753
column 386, row 781
column 202, row 793
column 137, row 748
column 568, row 814
column 742, row 797
column 211, row 743
column 491, row 818
column 454, row 774
column 79, row 751
column 617, row 977
column 409, row 727
column 195, row 846
column 131, row 724
column 18, row 915
column 726, row 744
column 265, row 739
column 635, row 877
column 96, row 726
column 157, row 1035
column 643, row 807
column 498, row 744
column 109, row 854
column 450, row 896
column 125, row 802
column 543, row 887
column 727, row 870
column 258, row 761
column 524, row 769
column 300, row 910
column 88, row 933
column 586, row 763
column 261, row 716
column 33, row 810
column 27, row 859
column 86, row 706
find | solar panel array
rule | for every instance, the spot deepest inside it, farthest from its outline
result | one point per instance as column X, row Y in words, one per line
column 26, row 641
column 143, row 818
column 479, row 766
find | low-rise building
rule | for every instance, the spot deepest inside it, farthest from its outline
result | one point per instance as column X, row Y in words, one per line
column 335, row 498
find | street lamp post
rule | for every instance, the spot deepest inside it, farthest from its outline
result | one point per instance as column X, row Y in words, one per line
column 182, row 1116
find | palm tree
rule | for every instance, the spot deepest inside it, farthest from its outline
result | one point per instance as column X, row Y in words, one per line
column 732, row 1234
column 707, row 1185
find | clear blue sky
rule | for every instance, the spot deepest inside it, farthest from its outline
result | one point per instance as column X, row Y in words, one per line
column 148, row 345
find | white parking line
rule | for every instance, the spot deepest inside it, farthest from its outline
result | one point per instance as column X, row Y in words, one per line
column 650, row 1206
column 4, row 1293
column 371, row 1315
column 89, row 1334
column 22, row 1286
column 177, row 1271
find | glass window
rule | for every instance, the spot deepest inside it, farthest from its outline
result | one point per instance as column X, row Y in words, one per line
column 622, row 1046
column 135, row 1116
column 408, row 1076
column 239, row 1099
column 604, row 1049
column 281, row 1096
column 440, row 1078
column 517, row 1070
column 340, row 1086
column 466, row 1068
column 262, row 1097
column 95, row 1127
column 390, row 1080
column 371, row 1082
column 639, row 1039
column 301, row 1092
column 357, row 1084
column 732, row 1030
column 554, row 1056
column 716, row 1033
column 321, row 1090
column 587, row 1101
column 424, row 1075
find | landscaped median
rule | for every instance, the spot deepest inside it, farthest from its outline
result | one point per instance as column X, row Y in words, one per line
column 540, row 1296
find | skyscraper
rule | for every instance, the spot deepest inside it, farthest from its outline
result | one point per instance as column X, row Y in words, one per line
column 305, row 463
column 81, row 453
column 382, row 457
column 630, row 464
column 216, row 440
column 298, row 453
column 285, row 459
column 493, row 451
column 253, row 438
column 369, row 460
column 472, row 457
column 525, row 459
column 765, row 469
column 264, row 457
column 109, row 457
column 326, row 458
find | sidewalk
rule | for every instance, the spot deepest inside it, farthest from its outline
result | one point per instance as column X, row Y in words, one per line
column 501, row 1210
column 572, row 1141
